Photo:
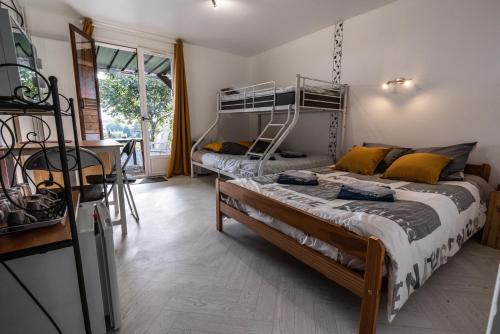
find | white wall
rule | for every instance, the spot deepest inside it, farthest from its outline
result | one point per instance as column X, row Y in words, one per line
column 57, row 61
column 207, row 71
column 310, row 56
column 450, row 48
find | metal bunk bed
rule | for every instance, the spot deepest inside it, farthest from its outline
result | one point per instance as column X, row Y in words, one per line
column 307, row 96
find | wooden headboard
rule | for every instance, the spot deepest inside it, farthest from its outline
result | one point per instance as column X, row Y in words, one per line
column 482, row 170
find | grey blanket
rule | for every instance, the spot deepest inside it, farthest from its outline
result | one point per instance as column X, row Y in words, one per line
column 420, row 230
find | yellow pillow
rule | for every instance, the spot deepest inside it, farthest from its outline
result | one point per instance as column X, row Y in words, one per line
column 214, row 147
column 362, row 160
column 417, row 167
column 246, row 143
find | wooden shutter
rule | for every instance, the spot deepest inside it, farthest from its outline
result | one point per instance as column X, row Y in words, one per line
column 87, row 89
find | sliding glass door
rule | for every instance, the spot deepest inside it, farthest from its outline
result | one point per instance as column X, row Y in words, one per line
column 136, row 103
column 120, row 103
column 157, row 114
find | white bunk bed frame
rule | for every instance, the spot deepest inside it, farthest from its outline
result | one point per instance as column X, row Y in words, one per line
column 304, row 86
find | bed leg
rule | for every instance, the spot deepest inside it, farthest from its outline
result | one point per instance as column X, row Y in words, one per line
column 373, row 283
column 218, row 215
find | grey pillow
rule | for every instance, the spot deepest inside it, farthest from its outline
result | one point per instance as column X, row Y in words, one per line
column 395, row 153
column 261, row 147
column 233, row 148
column 454, row 171
column 229, row 91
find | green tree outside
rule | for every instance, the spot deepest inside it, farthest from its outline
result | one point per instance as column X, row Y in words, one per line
column 119, row 94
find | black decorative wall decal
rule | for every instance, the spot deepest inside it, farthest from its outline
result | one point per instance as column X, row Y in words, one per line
column 333, row 133
column 337, row 53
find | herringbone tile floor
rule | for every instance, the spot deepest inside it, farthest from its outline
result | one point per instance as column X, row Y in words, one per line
column 178, row 275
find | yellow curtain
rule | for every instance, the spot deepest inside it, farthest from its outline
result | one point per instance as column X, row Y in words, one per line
column 88, row 26
column 180, row 160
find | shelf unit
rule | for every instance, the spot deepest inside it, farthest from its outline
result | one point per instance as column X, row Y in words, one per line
column 54, row 237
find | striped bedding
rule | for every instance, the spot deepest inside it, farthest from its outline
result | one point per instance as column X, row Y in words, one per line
column 425, row 226
column 232, row 163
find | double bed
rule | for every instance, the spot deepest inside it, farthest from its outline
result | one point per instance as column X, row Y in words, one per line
column 357, row 243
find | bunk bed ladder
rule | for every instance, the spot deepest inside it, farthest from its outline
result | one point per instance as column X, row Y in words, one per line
column 287, row 126
column 271, row 139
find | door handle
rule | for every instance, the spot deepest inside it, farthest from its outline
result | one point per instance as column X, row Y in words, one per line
column 145, row 118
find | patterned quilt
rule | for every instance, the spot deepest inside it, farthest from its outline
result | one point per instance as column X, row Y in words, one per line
column 232, row 163
column 420, row 230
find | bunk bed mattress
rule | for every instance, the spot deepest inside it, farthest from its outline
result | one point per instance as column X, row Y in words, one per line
column 315, row 97
column 420, row 230
column 232, row 163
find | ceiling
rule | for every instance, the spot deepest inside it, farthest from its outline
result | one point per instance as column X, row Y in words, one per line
column 244, row 27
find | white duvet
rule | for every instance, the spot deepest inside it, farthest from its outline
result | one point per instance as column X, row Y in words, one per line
column 235, row 165
column 420, row 230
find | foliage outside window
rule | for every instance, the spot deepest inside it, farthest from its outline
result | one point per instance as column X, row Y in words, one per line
column 119, row 94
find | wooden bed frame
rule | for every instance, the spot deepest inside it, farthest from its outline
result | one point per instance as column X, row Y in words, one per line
column 369, row 249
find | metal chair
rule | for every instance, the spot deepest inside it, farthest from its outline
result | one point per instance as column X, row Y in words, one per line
column 49, row 160
column 125, row 157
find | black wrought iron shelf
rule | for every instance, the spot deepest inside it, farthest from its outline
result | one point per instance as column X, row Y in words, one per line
column 9, row 108
column 30, row 112
column 25, row 102
column 22, row 107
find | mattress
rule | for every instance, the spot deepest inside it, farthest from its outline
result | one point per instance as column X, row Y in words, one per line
column 420, row 230
column 232, row 163
column 315, row 97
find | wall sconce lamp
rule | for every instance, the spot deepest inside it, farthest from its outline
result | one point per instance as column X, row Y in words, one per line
column 397, row 82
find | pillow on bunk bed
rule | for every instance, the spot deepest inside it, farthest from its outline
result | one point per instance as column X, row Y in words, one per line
column 233, row 148
column 261, row 147
column 395, row 153
column 459, row 153
column 230, row 91
column 272, row 158
column 214, row 146
column 293, row 155
column 362, row 160
column 239, row 148
column 246, row 143
column 226, row 147
column 418, row 167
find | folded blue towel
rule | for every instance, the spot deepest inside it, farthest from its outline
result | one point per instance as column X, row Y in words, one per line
column 298, row 178
column 366, row 192
column 369, row 189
